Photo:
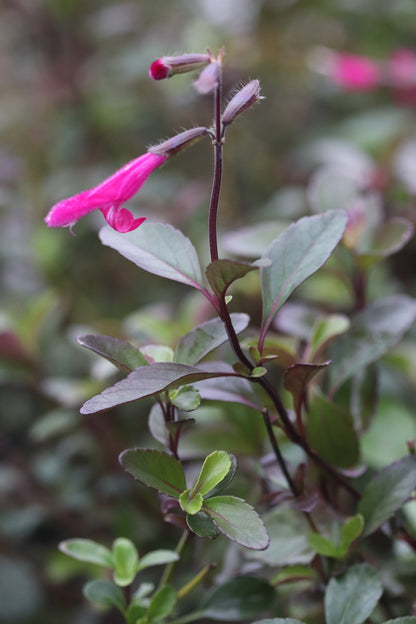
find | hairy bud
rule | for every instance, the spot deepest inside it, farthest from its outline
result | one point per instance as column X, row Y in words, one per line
column 168, row 66
column 243, row 99
column 178, row 142
column 208, row 79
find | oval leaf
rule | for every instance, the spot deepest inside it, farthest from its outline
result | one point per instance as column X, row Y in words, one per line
column 215, row 468
column 352, row 598
column 387, row 492
column 126, row 559
column 103, row 592
column 296, row 254
column 159, row 249
column 146, row 381
column 162, row 603
column 202, row 525
column 120, row 353
column 238, row 521
column 88, row 550
column 205, row 337
column 238, row 599
column 157, row 557
column 155, row 469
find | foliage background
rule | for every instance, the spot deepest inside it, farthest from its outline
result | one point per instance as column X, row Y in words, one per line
column 76, row 103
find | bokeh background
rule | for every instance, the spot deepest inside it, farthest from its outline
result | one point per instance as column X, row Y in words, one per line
column 75, row 104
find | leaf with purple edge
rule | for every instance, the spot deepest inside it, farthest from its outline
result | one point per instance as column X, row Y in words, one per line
column 238, row 521
column 155, row 469
column 119, row 352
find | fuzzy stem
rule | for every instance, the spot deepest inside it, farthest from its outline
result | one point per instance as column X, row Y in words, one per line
column 216, row 183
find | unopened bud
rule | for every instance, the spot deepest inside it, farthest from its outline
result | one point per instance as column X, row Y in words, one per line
column 208, row 79
column 168, row 66
column 178, row 142
column 243, row 99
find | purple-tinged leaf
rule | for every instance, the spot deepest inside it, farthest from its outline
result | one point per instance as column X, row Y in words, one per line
column 296, row 254
column 251, row 241
column 222, row 273
column 297, row 378
column 387, row 492
column 155, row 469
column 159, row 249
column 197, row 343
column 238, row 521
column 389, row 239
column 147, row 381
column 228, row 389
column 120, row 353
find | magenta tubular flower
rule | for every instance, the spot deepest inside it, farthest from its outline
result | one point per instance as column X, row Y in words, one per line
column 355, row 73
column 108, row 196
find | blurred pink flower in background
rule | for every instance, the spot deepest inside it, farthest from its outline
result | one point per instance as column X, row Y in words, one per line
column 355, row 73
column 108, row 196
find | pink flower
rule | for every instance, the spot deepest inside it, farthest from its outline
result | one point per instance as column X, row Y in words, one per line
column 355, row 73
column 402, row 68
column 108, row 196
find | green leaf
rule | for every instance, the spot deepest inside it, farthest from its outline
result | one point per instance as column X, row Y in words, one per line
column 197, row 343
column 387, row 492
column 159, row 249
column 323, row 546
column 120, row 353
column 324, row 330
column 222, row 273
column 126, row 560
column 147, row 381
column 88, row 550
column 373, row 332
column 157, row 353
column 191, row 502
column 352, row 598
column 135, row 612
column 225, row 482
column 293, row 573
column 202, row 525
column 297, row 378
column 155, row 469
column 238, row 521
column 389, row 239
column 157, row 557
column 251, row 241
column 162, row 603
column 215, row 468
column 330, row 432
column 186, row 399
column 297, row 254
column 103, row 592
column 288, row 532
column 238, row 599
column 350, row 531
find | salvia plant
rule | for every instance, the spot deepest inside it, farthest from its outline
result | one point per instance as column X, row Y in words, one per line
column 308, row 537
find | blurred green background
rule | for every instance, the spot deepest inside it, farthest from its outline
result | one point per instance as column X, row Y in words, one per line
column 76, row 103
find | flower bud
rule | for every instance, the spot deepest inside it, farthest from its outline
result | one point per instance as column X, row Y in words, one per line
column 178, row 142
column 243, row 99
column 168, row 66
column 208, row 79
